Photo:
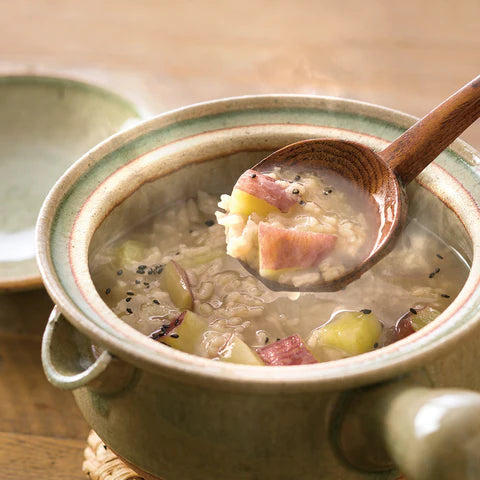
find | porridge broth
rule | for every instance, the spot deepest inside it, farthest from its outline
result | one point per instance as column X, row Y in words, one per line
column 421, row 271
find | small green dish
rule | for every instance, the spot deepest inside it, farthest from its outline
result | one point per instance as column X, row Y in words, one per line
column 46, row 123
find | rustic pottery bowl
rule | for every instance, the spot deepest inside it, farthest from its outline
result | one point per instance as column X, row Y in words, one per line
column 176, row 416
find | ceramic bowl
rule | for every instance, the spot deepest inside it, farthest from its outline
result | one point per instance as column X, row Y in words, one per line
column 46, row 123
column 172, row 415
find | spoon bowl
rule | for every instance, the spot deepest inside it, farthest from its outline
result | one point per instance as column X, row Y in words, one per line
column 364, row 169
column 381, row 176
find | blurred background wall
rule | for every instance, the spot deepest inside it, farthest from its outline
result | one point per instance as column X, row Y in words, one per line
column 407, row 55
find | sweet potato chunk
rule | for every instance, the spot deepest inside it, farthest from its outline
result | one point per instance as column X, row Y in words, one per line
column 236, row 350
column 256, row 192
column 414, row 320
column 185, row 333
column 129, row 252
column 351, row 332
column 175, row 281
column 282, row 248
column 289, row 351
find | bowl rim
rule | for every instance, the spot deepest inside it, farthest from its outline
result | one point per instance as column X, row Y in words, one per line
column 33, row 280
column 366, row 368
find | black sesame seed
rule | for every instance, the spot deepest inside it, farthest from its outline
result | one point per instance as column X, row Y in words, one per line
column 253, row 175
column 137, row 282
column 156, row 302
column 439, row 256
column 177, row 253
column 130, row 293
column 108, row 290
column 209, row 223
column 302, row 202
column 412, row 310
column 278, row 340
column 104, row 446
column 444, row 295
column 190, row 231
column 146, row 284
column 140, row 272
column 160, row 333
column 128, row 299
column 375, row 345
column 142, row 267
column 297, row 178
column 266, row 340
column 120, row 272
column 327, row 191
column 437, row 270
column 295, row 191
column 155, row 269
column 174, row 335
column 431, row 275
column 366, row 311
column 129, row 311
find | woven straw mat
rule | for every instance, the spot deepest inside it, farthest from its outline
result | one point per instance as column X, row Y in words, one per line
column 100, row 463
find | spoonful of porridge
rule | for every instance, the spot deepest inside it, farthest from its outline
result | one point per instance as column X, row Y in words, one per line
column 316, row 214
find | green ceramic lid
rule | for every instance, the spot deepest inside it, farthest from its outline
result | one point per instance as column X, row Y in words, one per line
column 46, row 123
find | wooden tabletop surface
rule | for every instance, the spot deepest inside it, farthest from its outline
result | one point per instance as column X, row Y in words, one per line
column 164, row 54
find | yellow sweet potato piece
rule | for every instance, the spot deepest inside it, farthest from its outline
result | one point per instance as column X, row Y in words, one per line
column 175, row 282
column 423, row 317
column 350, row 332
column 237, row 351
column 129, row 252
column 187, row 336
column 244, row 203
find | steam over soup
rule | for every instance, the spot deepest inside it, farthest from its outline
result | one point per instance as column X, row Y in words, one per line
column 172, row 279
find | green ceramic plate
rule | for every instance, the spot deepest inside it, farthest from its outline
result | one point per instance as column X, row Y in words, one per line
column 46, row 123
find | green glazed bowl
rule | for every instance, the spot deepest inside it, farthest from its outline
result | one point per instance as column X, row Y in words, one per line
column 176, row 416
column 46, row 123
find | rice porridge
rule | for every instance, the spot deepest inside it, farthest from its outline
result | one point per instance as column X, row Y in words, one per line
column 297, row 228
column 172, row 279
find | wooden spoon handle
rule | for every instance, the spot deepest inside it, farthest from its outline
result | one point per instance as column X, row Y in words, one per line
column 410, row 153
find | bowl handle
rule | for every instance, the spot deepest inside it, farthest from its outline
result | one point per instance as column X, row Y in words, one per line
column 67, row 356
column 428, row 434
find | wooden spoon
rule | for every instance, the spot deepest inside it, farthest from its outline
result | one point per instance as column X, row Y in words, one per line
column 382, row 175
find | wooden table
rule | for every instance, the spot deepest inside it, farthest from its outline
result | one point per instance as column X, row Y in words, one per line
column 164, row 54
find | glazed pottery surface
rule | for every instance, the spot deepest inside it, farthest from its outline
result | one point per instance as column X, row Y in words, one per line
column 46, row 123
column 174, row 415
